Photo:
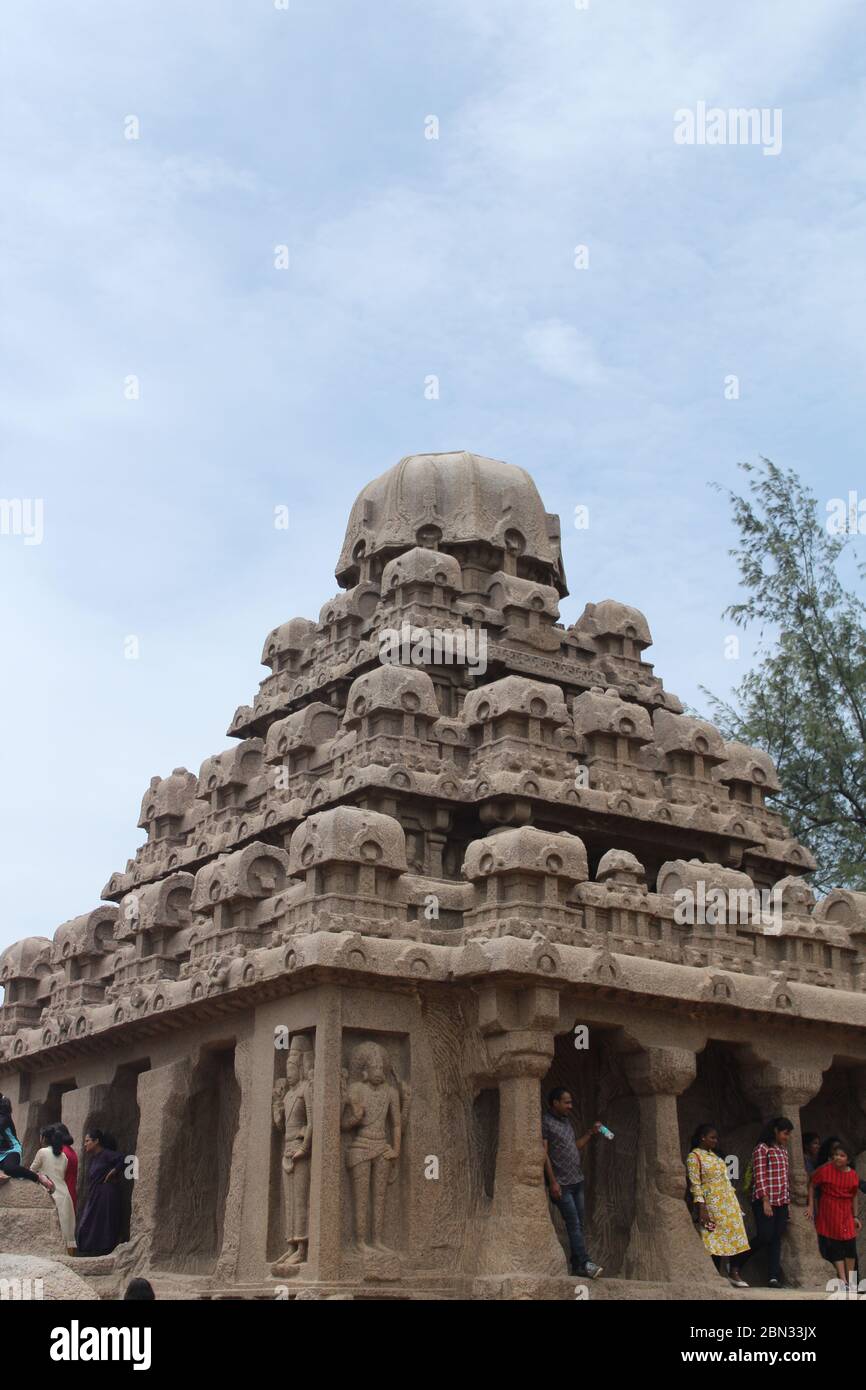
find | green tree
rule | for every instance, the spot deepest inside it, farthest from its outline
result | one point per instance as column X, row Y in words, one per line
column 804, row 702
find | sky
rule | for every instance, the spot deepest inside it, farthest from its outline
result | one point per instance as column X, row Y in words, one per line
column 239, row 239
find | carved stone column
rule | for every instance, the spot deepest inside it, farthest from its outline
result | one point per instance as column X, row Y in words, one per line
column 227, row 1261
column 161, row 1096
column 326, row 1180
column 778, row 1088
column 436, row 842
column 519, row 1029
column 663, row 1244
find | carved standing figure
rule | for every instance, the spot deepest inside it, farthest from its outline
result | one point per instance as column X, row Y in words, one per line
column 293, row 1114
column 375, row 1110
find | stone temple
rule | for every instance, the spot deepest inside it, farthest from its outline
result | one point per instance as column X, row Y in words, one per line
column 322, row 1002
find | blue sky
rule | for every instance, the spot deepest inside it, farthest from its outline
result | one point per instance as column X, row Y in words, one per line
column 409, row 257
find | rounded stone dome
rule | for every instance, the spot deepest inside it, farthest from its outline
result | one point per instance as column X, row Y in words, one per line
column 442, row 500
column 19, row 958
column 168, row 796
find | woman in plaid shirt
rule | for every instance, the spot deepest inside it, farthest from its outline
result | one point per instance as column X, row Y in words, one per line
column 771, row 1193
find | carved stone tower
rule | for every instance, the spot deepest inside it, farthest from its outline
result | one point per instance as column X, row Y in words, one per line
column 331, row 985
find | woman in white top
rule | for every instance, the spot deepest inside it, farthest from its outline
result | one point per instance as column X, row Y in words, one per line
column 52, row 1161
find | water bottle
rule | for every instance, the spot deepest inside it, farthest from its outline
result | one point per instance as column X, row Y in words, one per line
column 608, row 1133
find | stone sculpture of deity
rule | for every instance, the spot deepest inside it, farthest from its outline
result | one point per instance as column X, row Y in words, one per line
column 374, row 1108
column 293, row 1115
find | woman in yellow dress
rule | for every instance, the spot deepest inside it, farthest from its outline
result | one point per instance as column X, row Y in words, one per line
column 714, row 1203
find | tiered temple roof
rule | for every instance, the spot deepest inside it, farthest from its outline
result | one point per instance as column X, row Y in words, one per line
column 554, row 791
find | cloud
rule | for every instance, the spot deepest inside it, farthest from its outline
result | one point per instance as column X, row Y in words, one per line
column 408, row 257
column 560, row 351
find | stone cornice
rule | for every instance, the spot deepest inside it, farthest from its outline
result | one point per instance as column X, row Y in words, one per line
column 349, row 958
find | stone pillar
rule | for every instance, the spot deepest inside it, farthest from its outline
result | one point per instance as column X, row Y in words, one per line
column 227, row 1260
column 162, row 1094
column 519, row 1239
column 663, row 1244
column 326, row 1173
column 778, row 1088
column 259, row 1132
column 29, row 1117
column 80, row 1108
column 436, row 842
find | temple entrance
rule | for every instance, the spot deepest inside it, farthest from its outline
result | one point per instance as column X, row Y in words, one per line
column 836, row 1111
column 117, row 1113
column 484, row 1140
column 46, row 1112
column 716, row 1096
column 194, row 1172
column 595, row 1076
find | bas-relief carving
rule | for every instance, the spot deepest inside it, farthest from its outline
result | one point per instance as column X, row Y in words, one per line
column 293, row 1117
column 374, row 1113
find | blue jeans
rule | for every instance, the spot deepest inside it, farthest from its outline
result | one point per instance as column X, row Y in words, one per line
column 571, row 1208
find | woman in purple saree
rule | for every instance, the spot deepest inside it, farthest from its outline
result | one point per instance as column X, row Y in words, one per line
column 99, row 1223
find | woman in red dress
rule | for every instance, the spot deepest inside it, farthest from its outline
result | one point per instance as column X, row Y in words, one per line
column 836, row 1222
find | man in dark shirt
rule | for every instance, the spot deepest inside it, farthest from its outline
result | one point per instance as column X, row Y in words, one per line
column 562, row 1164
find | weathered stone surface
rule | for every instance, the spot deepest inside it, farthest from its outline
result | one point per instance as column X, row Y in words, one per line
column 325, row 997
column 32, row 1278
column 28, row 1220
column 450, row 499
